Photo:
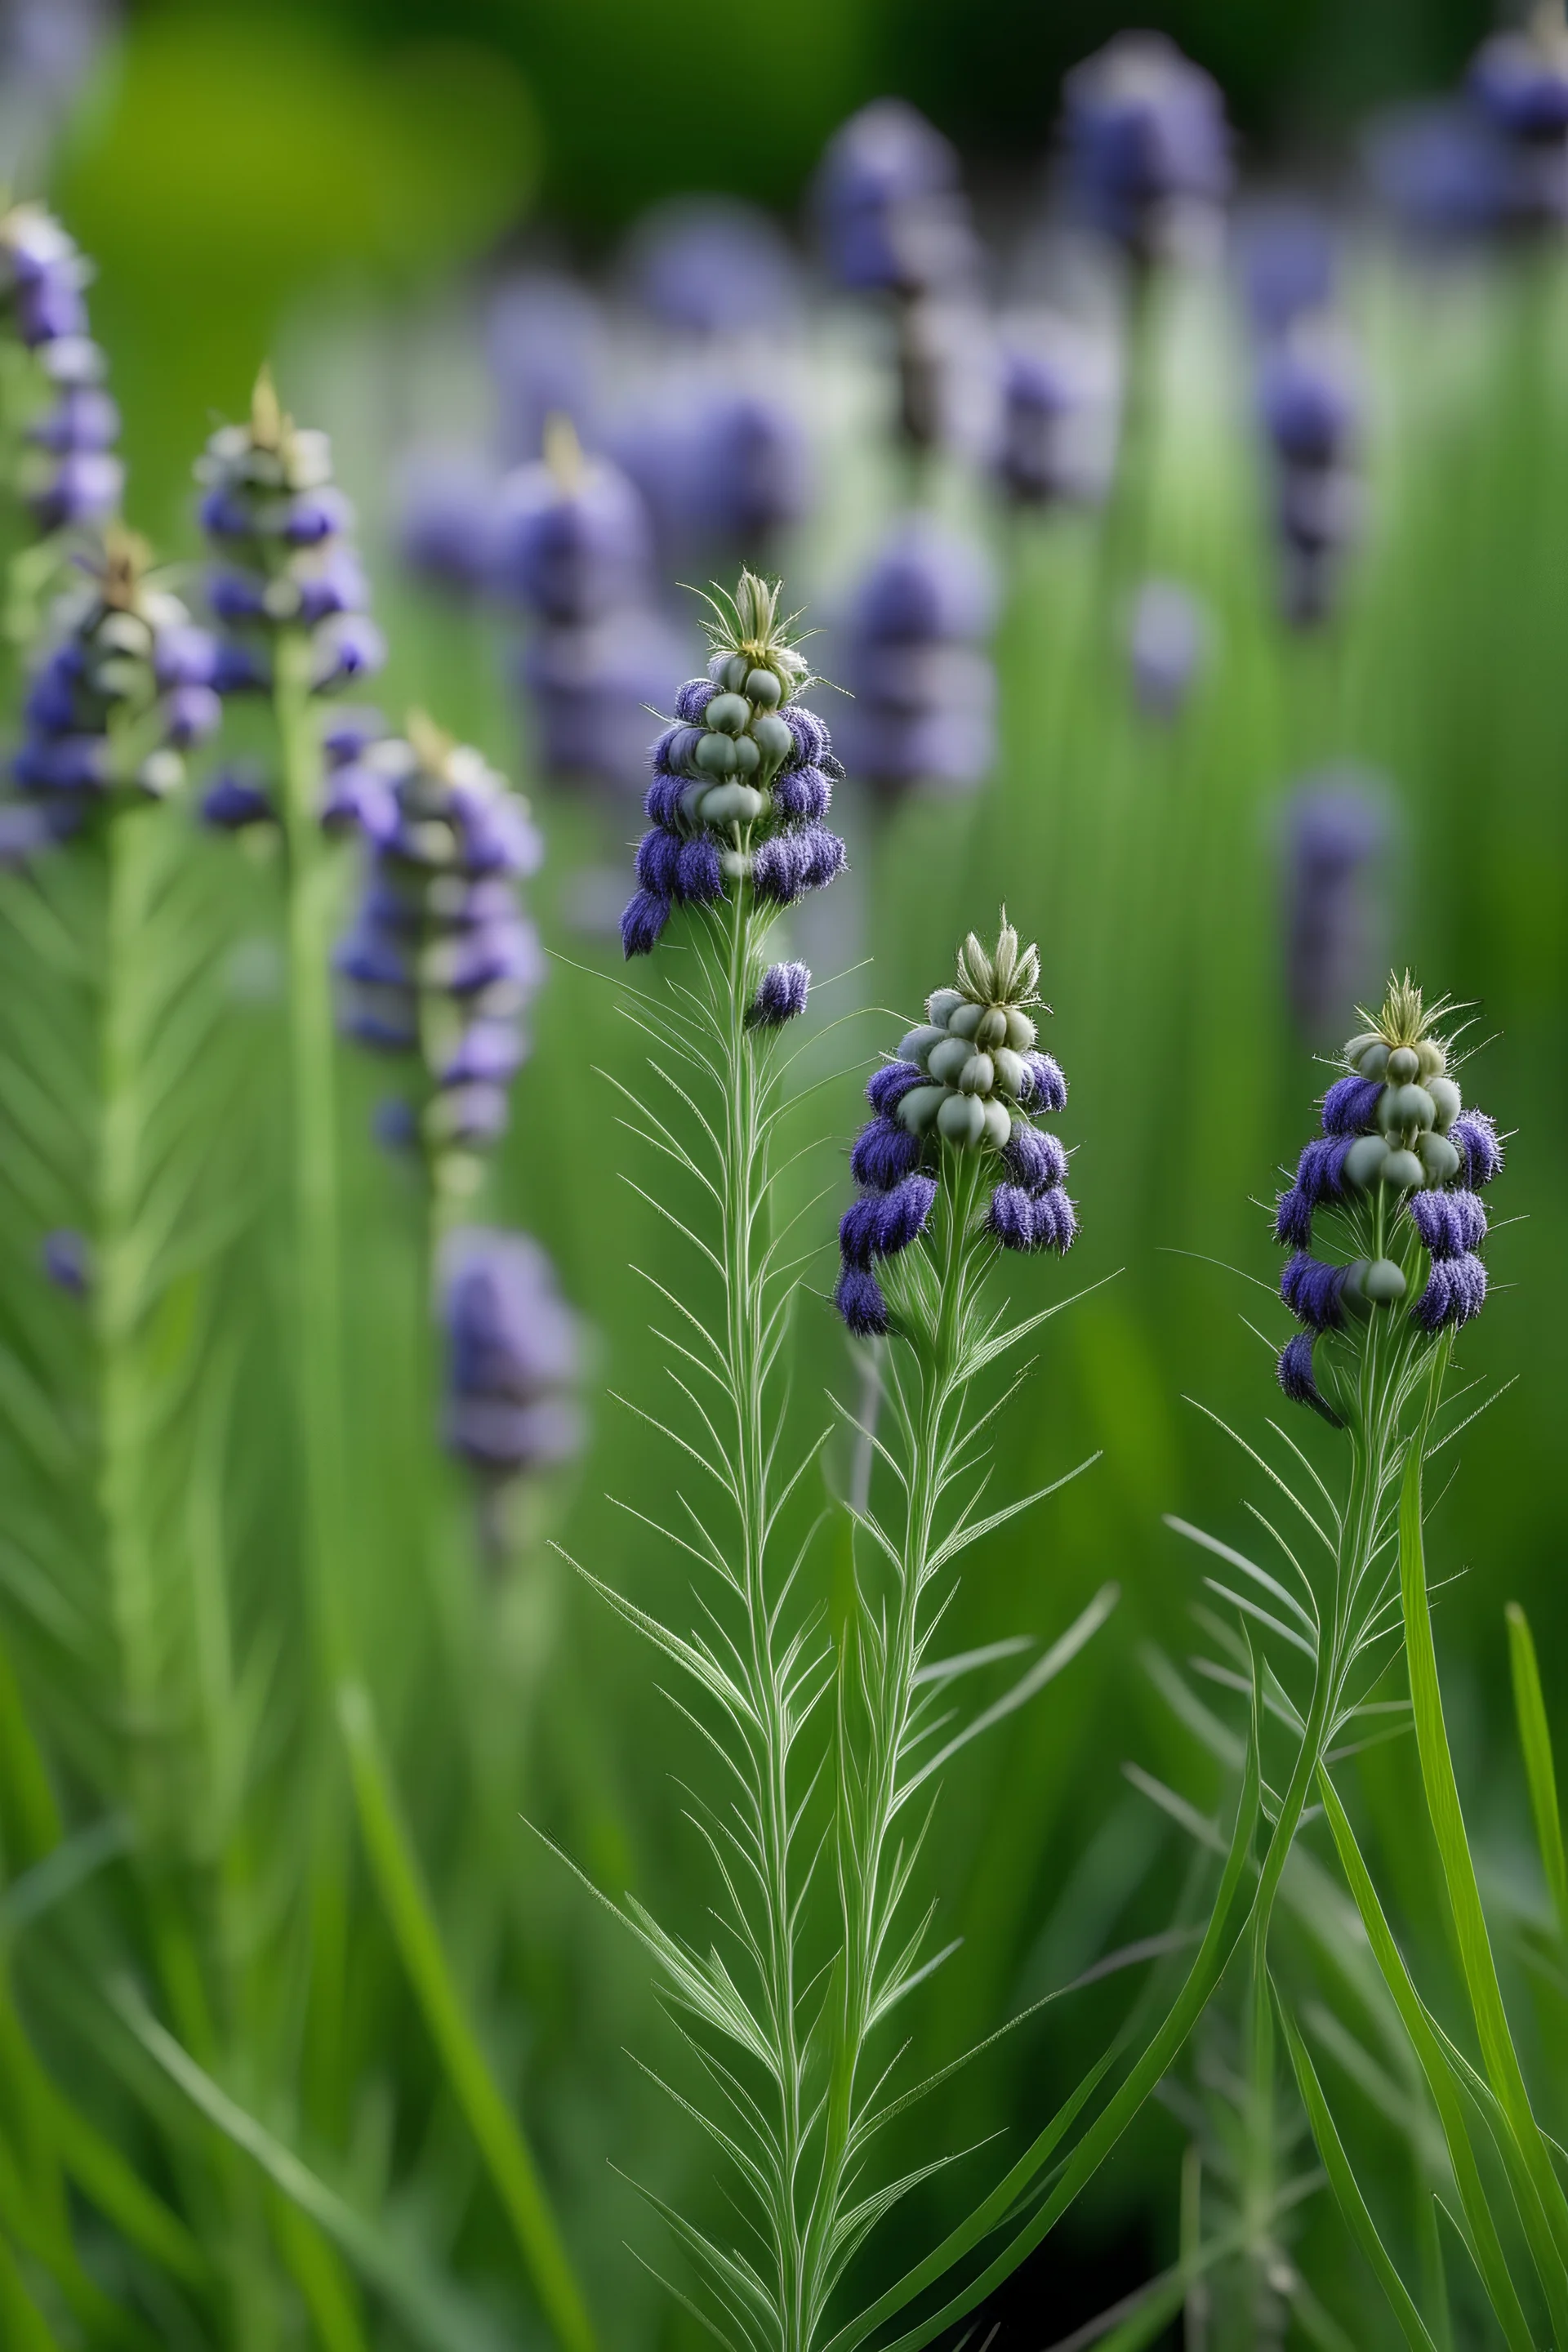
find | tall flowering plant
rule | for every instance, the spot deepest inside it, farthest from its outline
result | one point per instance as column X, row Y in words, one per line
column 831, row 1741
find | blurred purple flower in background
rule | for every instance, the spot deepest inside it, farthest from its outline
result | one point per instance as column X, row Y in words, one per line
column 724, row 469
column 1147, row 150
column 545, row 339
column 71, row 476
column 514, row 1354
column 1310, row 403
column 1168, row 642
column 914, row 658
column 1335, row 830
column 712, row 265
column 66, row 1257
column 446, row 518
column 1287, row 259
column 573, row 549
column 1055, row 435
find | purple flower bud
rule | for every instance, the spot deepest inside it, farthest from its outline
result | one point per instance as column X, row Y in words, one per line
column 914, row 660
column 572, row 551
column 690, row 705
column 643, row 919
column 348, row 647
column 1147, row 142
column 83, row 417
column 661, row 801
column 490, row 1052
column 1033, row 1159
column 315, row 515
column 543, row 338
column 1336, row 827
column 778, row 873
column 185, row 656
column 1312, row 1291
column 1450, row 1223
column 885, row 1088
column 812, row 740
column 1296, row 1378
column 1056, row 1220
column 1308, row 402
column 1287, row 265
column 1293, row 1219
column 858, row 1230
column 1475, row 1139
column 191, row 713
column 50, row 307
column 357, row 799
column 350, row 730
column 858, row 1298
column 513, row 1353
column 235, row 801
column 1454, row 1293
column 1011, row 1217
column 901, row 1214
column 1350, row 1107
column 66, row 1257
column 242, row 669
column 1056, row 439
column 701, row 877
column 87, row 487
column 1047, row 1087
column 656, row 861
column 892, row 211
column 1520, row 79
column 803, row 794
column 780, row 997
column 884, row 1154
column 69, row 764
column 337, row 585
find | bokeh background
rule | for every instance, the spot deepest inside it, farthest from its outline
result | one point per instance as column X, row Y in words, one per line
column 350, row 189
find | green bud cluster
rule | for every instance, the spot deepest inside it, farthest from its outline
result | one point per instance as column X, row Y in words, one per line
column 973, row 1044
column 1417, row 1106
column 1373, row 1282
column 743, row 744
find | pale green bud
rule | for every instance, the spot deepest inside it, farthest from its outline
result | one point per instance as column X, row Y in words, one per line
column 729, row 713
column 1382, row 1282
column 1438, row 1157
column 942, row 1006
column 748, row 759
column 990, row 1029
column 1404, row 1064
column 1445, row 1103
column 977, row 1075
column 731, row 804
column 919, row 1107
column 998, row 1124
column 964, row 1019
column 715, row 755
column 762, row 688
column 1363, row 1160
column 918, row 1043
column 772, row 737
column 1022, row 1033
column 1402, row 1173
column 1009, row 1069
column 961, row 1119
column 1372, row 1061
column 946, row 1060
column 1433, row 1060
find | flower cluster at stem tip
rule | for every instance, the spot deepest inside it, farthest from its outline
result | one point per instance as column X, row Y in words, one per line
column 968, row 1079
column 1402, row 1161
column 118, row 695
column 72, row 475
column 440, row 961
column 279, row 526
column 741, row 779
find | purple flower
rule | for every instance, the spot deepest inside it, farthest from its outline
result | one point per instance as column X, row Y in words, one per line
column 644, row 918
column 1287, row 265
column 701, row 877
column 191, row 713
column 1519, row 81
column 1475, row 1139
column 86, row 487
column 1046, row 1090
column 1350, row 1107
column 543, row 339
column 1456, row 1291
column 710, row 266
column 915, row 661
column 514, row 1354
column 1056, row 1220
column 1312, row 1291
column 1336, row 826
column 885, row 1088
column 804, row 794
column 690, row 705
column 901, row 1213
column 890, row 208
column 884, row 1154
column 1055, row 435
column 1450, row 1223
column 571, row 544
column 235, row 801
column 66, row 1260
column 780, row 997
column 656, row 862
column 590, row 685
column 1293, row 1219
column 1035, row 1159
column 1296, row 1377
column 1011, row 1217
column 858, row 1231
column 1147, row 142
column 446, row 523
column 858, row 1298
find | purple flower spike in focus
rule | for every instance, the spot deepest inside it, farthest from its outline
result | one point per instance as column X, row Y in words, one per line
column 916, row 662
column 1147, row 146
column 1393, row 1181
column 440, row 962
column 1336, row 828
column 780, row 997
column 513, row 1355
column 724, row 816
column 953, row 1124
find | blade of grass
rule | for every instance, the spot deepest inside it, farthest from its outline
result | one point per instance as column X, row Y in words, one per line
column 1535, row 1740
column 1476, row 1957
column 1347, row 2189
column 500, row 2142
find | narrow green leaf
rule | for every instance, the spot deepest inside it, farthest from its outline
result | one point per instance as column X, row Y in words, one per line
column 1535, row 1740
column 1347, row 2191
column 496, row 2132
column 1475, row 1957
column 1486, row 2245
column 22, row 2327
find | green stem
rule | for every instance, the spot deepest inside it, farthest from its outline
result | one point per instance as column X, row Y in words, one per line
column 319, row 1371
column 743, row 1190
